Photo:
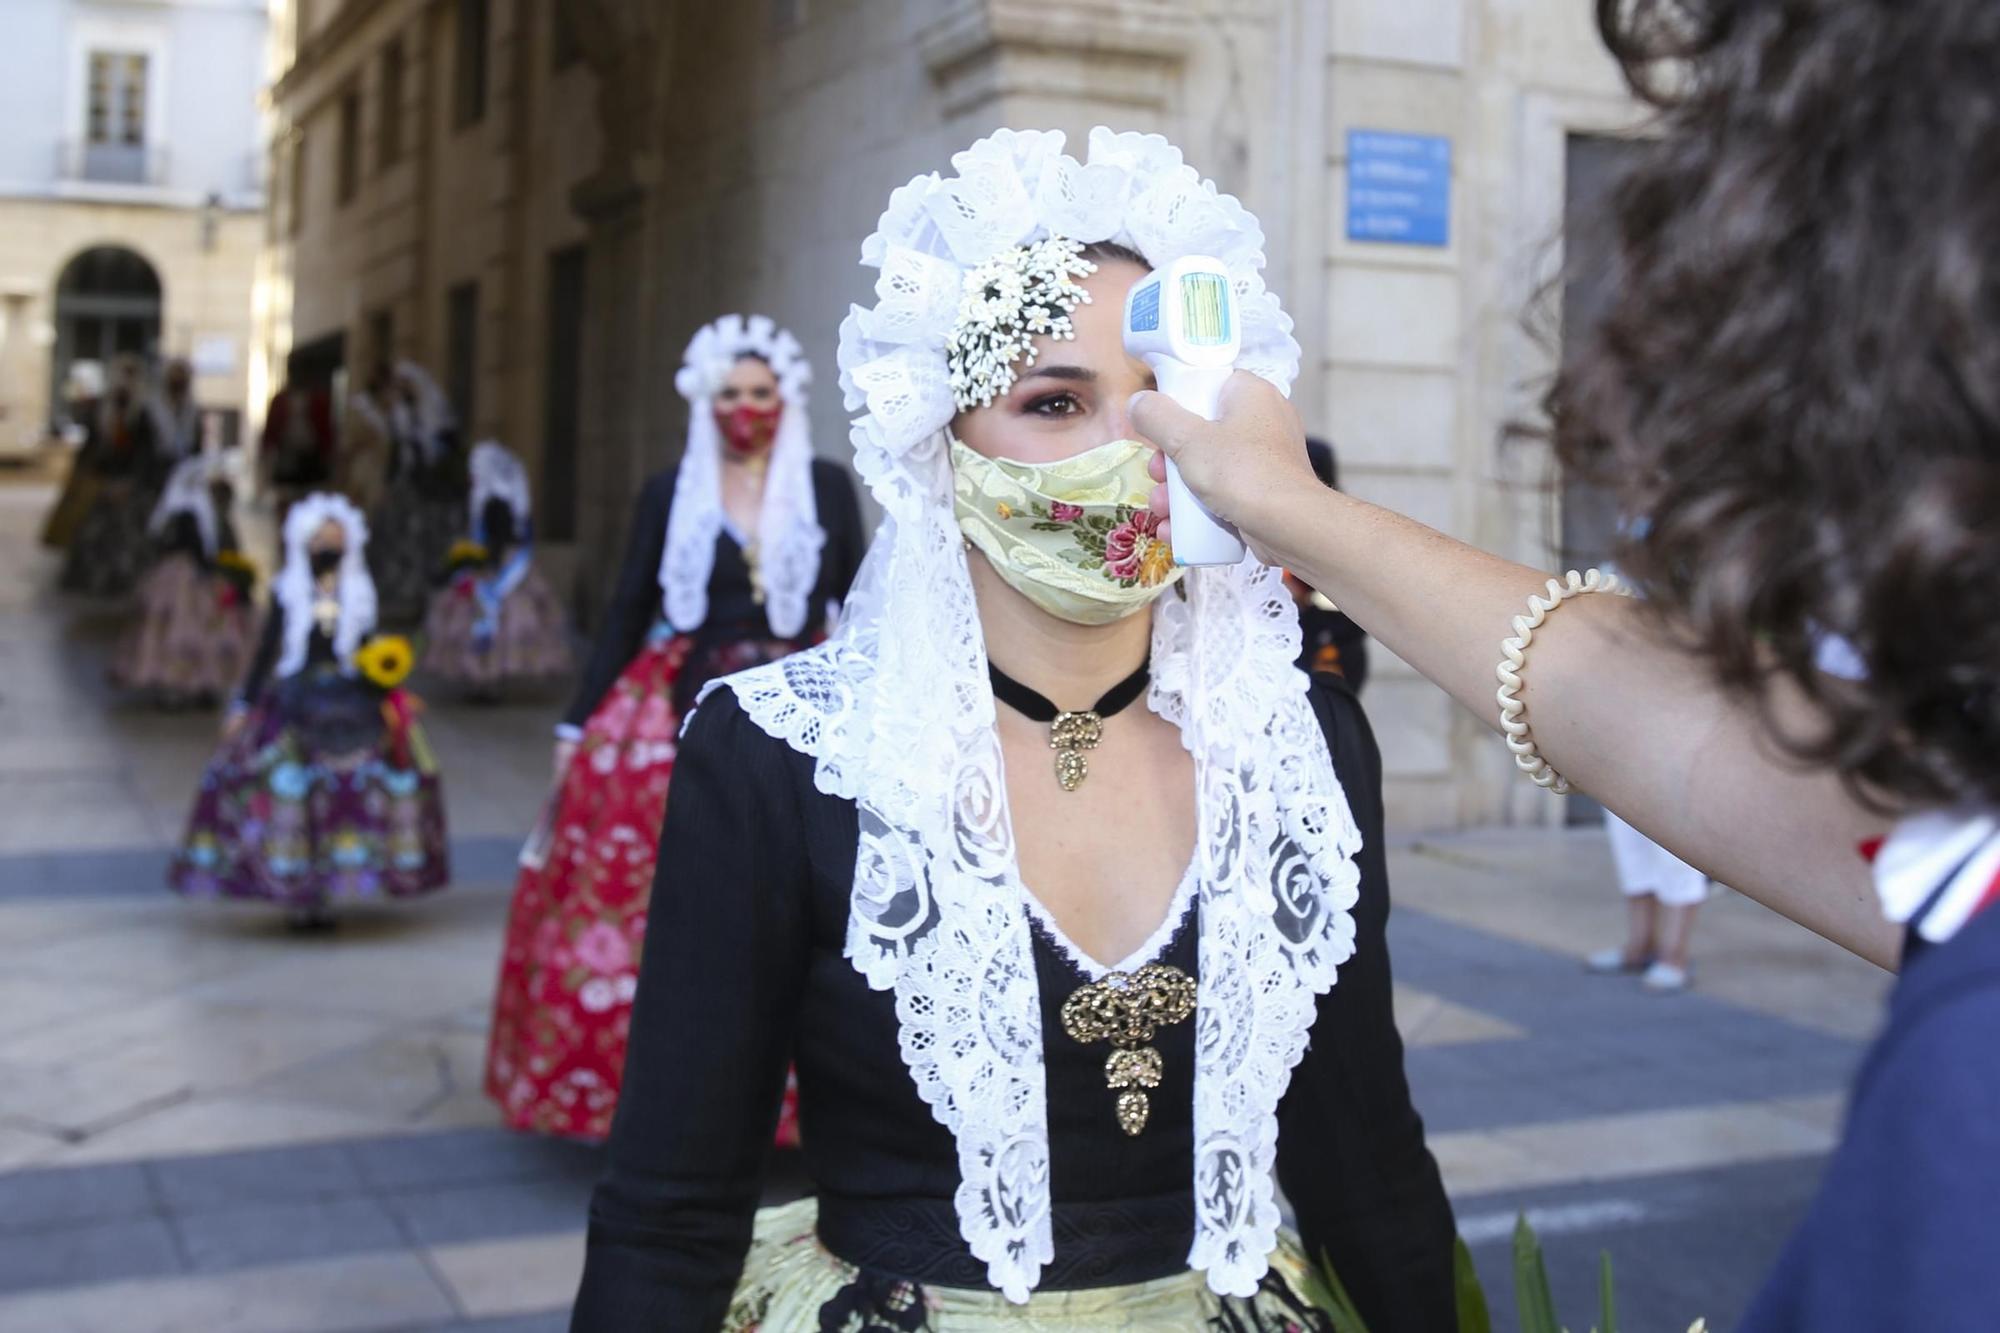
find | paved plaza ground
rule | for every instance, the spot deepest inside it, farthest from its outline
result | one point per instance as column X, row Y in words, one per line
column 208, row 1124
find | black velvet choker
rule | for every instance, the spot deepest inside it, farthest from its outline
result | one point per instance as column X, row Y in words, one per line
column 1071, row 734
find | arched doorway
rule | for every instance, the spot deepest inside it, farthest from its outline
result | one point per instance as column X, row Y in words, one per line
column 107, row 304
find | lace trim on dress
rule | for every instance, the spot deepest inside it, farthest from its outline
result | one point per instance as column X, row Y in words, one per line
column 1150, row 950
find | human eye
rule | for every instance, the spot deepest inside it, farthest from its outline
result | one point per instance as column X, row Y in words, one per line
column 1061, row 404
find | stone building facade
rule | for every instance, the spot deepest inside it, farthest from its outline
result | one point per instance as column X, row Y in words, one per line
column 687, row 159
column 131, row 198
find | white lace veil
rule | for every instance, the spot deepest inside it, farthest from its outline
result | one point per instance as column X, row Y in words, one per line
column 498, row 475
column 186, row 492
column 789, row 536
column 294, row 587
column 897, row 712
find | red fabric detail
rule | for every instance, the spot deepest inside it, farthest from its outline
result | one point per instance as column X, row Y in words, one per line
column 1870, row 848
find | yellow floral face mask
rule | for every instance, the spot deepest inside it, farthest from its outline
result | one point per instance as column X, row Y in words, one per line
column 1074, row 536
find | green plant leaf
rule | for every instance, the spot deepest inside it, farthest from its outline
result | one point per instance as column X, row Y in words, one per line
column 1609, row 1312
column 1536, row 1306
column 1473, row 1316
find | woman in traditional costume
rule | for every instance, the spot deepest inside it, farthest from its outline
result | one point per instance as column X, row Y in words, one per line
column 121, row 468
column 324, row 787
column 422, row 505
column 496, row 620
column 1042, row 868
column 737, row 557
column 197, row 625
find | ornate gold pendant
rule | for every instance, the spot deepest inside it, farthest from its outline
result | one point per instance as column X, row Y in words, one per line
column 1071, row 736
column 1128, row 1009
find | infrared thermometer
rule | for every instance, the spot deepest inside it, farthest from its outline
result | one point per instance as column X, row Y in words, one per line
column 1181, row 320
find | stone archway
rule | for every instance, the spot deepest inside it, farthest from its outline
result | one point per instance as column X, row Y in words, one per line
column 108, row 301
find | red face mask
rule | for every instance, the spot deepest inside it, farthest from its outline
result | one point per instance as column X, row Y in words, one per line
column 748, row 430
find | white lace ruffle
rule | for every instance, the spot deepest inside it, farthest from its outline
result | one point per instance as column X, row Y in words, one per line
column 498, row 475
column 353, row 585
column 789, row 537
column 897, row 712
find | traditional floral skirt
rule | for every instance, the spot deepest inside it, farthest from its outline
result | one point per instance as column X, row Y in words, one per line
column 528, row 639
column 111, row 546
column 194, row 636
column 329, row 791
column 569, row 966
column 791, row 1284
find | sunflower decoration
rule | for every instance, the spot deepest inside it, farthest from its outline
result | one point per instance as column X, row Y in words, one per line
column 464, row 554
column 385, row 660
column 238, row 573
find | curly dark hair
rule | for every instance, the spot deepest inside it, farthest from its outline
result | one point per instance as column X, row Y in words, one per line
column 1795, row 392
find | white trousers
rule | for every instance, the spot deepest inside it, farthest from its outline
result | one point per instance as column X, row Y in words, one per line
column 1646, row 867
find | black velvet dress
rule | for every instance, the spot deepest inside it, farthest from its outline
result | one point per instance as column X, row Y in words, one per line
column 744, row 971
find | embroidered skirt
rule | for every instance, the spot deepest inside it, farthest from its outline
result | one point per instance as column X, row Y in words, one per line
column 329, row 791
column 111, row 547
column 194, row 636
column 529, row 638
column 569, row 965
column 792, row 1284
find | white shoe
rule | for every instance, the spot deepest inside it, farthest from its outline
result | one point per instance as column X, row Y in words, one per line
column 1611, row 963
column 1665, row 979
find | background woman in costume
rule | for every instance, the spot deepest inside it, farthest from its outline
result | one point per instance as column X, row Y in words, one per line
column 1060, row 991
column 324, row 787
column 197, row 625
column 735, row 558
column 1816, row 475
column 496, row 620
column 423, row 505
column 122, row 466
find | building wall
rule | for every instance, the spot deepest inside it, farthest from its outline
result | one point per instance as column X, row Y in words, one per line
column 198, row 222
column 485, row 202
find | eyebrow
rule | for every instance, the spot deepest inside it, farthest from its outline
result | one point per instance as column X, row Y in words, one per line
column 1077, row 374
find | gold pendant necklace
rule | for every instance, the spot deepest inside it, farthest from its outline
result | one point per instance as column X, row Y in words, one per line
column 1072, row 733
column 1128, row 1009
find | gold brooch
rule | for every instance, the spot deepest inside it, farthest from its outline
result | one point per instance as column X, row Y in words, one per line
column 1070, row 736
column 1127, row 1009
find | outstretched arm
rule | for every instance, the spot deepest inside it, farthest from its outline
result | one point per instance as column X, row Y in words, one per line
column 1622, row 713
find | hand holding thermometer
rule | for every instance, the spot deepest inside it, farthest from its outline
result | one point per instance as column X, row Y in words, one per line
column 1181, row 321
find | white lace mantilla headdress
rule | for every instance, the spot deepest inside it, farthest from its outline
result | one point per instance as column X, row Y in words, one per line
column 294, row 587
column 186, row 492
column 498, row 475
column 897, row 712
column 789, row 536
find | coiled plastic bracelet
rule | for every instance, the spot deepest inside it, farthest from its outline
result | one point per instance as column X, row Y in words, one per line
column 1514, row 657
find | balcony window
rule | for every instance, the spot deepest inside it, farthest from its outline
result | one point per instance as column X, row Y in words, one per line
column 114, row 147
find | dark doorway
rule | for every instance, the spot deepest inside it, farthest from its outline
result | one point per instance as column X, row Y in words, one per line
column 107, row 305
column 562, row 406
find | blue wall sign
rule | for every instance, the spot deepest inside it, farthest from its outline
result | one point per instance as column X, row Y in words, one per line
column 1398, row 188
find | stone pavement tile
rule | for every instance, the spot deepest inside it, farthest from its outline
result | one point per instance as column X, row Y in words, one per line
column 87, row 1253
column 67, row 811
column 366, row 980
column 303, row 1173
column 29, row 1003
column 36, row 1200
column 1425, row 1019
column 397, row 1078
column 359, row 1292
column 208, row 1046
column 207, row 1124
column 545, row 1321
column 225, row 1239
column 459, row 1214
column 1617, row 1147
column 416, row 1162
column 22, row 1144
column 74, row 1100
column 502, row 1277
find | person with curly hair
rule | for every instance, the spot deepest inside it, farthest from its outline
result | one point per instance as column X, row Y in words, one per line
column 1797, row 391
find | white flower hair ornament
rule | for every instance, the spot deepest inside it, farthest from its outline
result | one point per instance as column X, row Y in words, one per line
column 1008, row 301
column 897, row 711
column 785, row 552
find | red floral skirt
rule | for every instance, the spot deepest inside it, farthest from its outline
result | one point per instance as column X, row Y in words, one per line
column 569, row 967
